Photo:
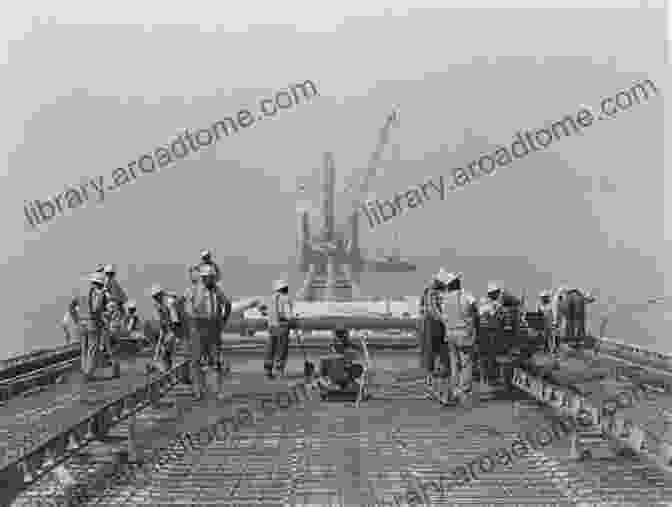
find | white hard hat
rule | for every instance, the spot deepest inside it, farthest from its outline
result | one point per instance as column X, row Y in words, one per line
column 493, row 287
column 131, row 305
column 207, row 270
column 96, row 277
column 279, row 284
column 110, row 268
column 156, row 290
column 445, row 277
column 545, row 294
column 205, row 253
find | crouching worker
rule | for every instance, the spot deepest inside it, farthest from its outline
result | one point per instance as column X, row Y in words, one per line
column 207, row 310
column 133, row 326
column 167, row 316
column 277, row 347
column 341, row 370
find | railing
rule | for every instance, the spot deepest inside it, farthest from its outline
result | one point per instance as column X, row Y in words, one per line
column 44, row 456
column 657, row 450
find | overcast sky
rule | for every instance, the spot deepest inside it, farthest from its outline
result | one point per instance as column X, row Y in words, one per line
column 88, row 88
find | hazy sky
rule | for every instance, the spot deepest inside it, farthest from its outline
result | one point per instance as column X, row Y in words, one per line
column 87, row 89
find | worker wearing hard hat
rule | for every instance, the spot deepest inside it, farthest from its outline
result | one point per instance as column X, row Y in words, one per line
column 92, row 339
column 432, row 328
column 133, row 325
column 114, row 322
column 207, row 260
column 208, row 310
column 71, row 322
column 117, row 294
column 168, row 319
column 487, row 338
column 280, row 312
column 545, row 307
column 571, row 312
column 458, row 315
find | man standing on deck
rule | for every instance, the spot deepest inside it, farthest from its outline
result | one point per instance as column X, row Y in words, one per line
column 208, row 310
column 71, row 322
column 458, row 317
column 432, row 328
column 92, row 340
column 115, row 291
column 280, row 312
column 545, row 307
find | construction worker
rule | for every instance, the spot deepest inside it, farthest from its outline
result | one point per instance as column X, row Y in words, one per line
column 92, row 341
column 206, row 260
column 545, row 307
column 114, row 322
column 458, row 318
column 432, row 328
column 572, row 309
column 208, row 310
column 280, row 312
column 117, row 294
column 509, row 316
column 71, row 322
column 169, row 321
column 487, row 338
column 132, row 324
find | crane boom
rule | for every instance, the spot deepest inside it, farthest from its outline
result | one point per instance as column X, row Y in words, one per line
column 392, row 120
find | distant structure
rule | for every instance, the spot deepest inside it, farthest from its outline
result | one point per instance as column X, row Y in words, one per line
column 332, row 260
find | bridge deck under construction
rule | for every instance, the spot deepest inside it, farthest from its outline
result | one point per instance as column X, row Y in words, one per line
column 323, row 453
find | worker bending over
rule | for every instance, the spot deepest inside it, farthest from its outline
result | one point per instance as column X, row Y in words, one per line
column 281, row 310
column 207, row 310
column 168, row 319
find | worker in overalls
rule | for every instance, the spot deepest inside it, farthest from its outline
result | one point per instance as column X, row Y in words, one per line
column 432, row 328
column 545, row 307
column 114, row 323
column 281, row 311
column 207, row 310
column 92, row 339
column 458, row 318
column 169, row 321
column 116, row 293
column 487, row 342
column 71, row 322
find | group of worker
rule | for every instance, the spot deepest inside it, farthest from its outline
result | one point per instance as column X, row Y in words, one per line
column 458, row 330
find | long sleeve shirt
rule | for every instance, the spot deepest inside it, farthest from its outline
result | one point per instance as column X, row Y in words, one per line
column 97, row 302
column 218, row 272
column 280, row 310
column 431, row 303
column 116, row 292
column 166, row 312
column 204, row 303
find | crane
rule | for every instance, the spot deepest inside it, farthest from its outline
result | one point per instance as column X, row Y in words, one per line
column 355, row 191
